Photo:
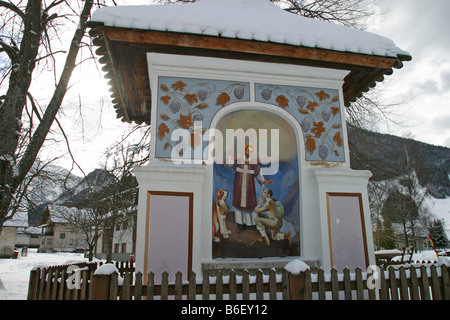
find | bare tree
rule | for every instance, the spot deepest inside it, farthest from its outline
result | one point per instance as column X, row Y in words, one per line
column 87, row 221
column 29, row 30
column 121, row 199
column 351, row 13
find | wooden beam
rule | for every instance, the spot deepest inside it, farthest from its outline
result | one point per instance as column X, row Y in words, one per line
column 246, row 46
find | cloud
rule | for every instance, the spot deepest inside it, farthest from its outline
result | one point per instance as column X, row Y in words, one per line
column 421, row 28
column 442, row 122
column 445, row 80
column 428, row 87
column 447, row 142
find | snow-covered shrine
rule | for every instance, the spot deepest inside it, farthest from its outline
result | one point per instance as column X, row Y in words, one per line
column 247, row 106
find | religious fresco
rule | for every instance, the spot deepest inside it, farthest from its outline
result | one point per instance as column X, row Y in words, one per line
column 319, row 114
column 255, row 214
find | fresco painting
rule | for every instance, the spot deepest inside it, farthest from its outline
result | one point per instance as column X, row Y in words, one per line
column 255, row 215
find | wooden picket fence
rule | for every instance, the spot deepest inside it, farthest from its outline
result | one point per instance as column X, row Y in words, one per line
column 51, row 283
column 412, row 283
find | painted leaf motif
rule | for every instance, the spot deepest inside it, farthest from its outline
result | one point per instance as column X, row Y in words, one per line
column 312, row 105
column 282, row 101
column 322, row 95
column 191, row 98
column 338, row 139
column 196, row 140
column 222, row 99
column 303, row 111
column 164, row 116
column 167, row 145
column 179, row 85
column 318, row 129
column 202, row 106
column 165, row 99
column 310, row 144
column 164, row 87
column 185, row 121
column 335, row 98
column 162, row 130
column 335, row 110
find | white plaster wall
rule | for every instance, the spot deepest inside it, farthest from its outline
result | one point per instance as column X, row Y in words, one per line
column 7, row 241
column 169, row 177
column 342, row 181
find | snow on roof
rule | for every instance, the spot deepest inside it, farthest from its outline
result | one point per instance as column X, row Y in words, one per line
column 258, row 20
column 20, row 219
column 58, row 213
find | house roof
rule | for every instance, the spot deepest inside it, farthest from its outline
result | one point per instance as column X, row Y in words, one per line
column 57, row 214
column 238, row 29
column 20, row 219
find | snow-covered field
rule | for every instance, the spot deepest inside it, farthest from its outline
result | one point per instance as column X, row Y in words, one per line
column 15, row 273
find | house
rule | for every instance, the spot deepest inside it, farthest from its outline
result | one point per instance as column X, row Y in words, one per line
column 123, row 240
column 28, row 237
column 7, row 240
column 124, row 232
column 58, row 235
column 11, row 235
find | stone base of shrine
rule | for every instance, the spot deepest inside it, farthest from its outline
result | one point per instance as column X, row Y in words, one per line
column 252, row 266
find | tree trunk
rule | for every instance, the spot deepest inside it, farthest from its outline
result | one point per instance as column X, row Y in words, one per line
column 23, row 63
column 12, row 170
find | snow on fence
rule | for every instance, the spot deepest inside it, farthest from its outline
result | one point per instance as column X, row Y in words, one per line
column 110, row 283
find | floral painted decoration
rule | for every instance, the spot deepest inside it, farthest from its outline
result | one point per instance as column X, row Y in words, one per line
column 182, row 101
column 318, row 113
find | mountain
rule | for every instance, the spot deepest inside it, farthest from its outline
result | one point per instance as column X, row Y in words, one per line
column 94, row 181
column 49, row 183
column 389, row 157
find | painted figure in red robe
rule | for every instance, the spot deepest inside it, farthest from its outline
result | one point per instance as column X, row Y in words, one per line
column 244, row 189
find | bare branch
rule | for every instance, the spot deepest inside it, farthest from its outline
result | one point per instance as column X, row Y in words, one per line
column 13, row 8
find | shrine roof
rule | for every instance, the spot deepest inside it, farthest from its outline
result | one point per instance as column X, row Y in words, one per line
column 258, row 20
column 254, row 30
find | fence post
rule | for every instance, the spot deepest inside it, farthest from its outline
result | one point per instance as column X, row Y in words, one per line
column 299, row 280
column 100, row 286
column 297, row 286
column 104, row 280
column 32, row 285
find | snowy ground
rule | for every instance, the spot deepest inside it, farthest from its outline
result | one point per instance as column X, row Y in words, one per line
column 15, row 273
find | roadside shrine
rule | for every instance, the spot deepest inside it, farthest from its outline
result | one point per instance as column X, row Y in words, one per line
column 249, row 162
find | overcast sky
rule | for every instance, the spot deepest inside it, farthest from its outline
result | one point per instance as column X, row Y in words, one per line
column 421, row 28
column 423, row 84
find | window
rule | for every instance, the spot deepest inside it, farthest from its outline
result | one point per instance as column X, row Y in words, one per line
column 62, row 235
column 124, row 247
column 116, row 248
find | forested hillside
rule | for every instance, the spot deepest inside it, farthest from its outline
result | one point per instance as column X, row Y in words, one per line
column 388, row 157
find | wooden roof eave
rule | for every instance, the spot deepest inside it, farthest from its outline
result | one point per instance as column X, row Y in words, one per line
column 365, row 70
